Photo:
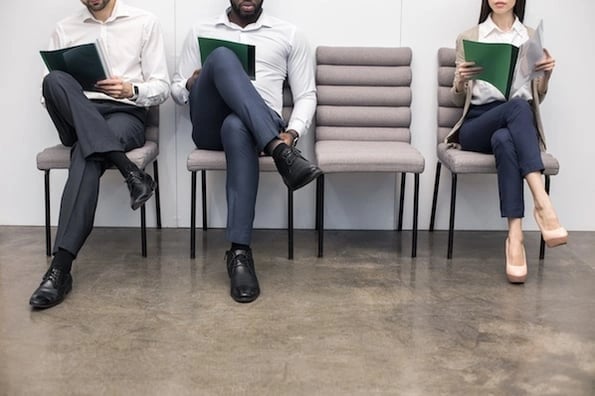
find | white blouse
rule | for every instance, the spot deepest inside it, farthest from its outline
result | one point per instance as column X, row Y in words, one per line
column 484, row 92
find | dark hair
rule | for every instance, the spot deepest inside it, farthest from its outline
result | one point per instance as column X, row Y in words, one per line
column 519, row 10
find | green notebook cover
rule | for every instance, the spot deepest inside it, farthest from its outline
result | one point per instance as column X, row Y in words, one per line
column 245, row 52
column 498, row 61
column 83, row 62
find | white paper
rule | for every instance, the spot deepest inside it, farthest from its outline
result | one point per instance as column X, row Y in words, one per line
column 530, row 53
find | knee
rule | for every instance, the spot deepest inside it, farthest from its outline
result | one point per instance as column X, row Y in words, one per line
column 221, row 58
column 519, row 105
column 54, row 80
column 221, row 54
column 92, row 167
column 502, row 140
column 234, row 134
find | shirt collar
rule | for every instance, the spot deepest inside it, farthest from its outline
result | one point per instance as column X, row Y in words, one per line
column 263, row 21
column 120, row 10
column 488, row 27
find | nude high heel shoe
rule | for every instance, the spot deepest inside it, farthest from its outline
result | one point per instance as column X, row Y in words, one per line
column 552, row 238
column 516, row 273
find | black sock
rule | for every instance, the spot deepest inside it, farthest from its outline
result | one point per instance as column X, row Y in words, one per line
column 239, row 246
column 271, row 146
column 278, row 149
column 63, row 260
column 121, row 161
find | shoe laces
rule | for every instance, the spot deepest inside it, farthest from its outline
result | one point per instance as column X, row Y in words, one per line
column 289, row 156
column 241, row 259
column 53, row 275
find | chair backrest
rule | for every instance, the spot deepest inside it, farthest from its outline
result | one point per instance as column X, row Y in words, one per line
column 364, row 93
column 448, row 112
column 287, row 102
column 152, row 125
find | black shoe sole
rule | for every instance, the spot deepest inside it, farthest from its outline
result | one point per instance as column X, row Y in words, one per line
column 54, row 303
column 143, row 198
column 245, row 300
column 306, row 181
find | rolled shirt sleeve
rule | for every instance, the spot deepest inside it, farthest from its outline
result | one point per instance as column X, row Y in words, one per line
column 188, row 62
column 300, row 72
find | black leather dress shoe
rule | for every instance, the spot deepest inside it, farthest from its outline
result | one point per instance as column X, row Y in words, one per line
column 242, row 275
column 56, row 284
column 141, row 186
column 295, row 170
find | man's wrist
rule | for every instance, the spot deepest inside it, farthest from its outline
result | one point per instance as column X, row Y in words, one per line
column 295, row 136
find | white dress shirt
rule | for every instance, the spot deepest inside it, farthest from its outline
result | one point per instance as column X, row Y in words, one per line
column 133, row 42
column 281, row 53
column 483, row 91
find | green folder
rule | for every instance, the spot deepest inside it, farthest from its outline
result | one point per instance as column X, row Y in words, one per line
column 245, row 52
column 498, row 61
column 84, row 62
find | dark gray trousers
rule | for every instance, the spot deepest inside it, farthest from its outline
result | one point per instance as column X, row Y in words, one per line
column 228, row 114
column 91, row 128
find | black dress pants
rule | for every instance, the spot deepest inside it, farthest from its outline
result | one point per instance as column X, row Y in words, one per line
column 91, row 129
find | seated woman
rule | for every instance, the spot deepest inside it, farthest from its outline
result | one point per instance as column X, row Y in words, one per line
column 510, row 129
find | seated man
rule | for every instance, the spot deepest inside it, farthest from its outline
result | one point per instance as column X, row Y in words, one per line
column 101, row 126
column 242, row 117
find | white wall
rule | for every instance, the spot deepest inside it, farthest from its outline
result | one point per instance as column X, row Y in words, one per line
column 422, row 25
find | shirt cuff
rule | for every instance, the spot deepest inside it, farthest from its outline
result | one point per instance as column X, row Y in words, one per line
column 299, row 126
column 142, row 94
column 179, row 92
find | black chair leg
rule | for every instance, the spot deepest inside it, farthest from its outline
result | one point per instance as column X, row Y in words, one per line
column 290, row 224
column 451, row 222
column 203, row 177
column 48, row 230
column 193, row 215
column 317, row 209
column 157, row 195
column 415, row 213
column 542, row 242
column 143, row 230
column 435, row 197
column 401, row 201
column 320, row 199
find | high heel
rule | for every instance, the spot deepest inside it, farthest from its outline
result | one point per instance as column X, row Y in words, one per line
column 516, row 273
column 556, row 237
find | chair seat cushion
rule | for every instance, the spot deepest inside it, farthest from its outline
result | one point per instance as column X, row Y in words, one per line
column 55, row 157
column 364, row 156
column 58, row 157
column 143, row 156
column 199, row 160
column 460, row 161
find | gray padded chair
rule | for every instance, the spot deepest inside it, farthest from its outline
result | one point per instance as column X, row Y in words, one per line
column 459, row 161
column 58, row 157
column 363, row 119
column 210, row 160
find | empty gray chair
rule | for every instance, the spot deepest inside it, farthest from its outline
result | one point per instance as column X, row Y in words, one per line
column 459, row 161
column 363, row 119
column 58, row 157
column 211, row 160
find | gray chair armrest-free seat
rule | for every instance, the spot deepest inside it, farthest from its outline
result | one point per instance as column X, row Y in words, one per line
column 58, row 157
column 464, row 162
column 363, row 118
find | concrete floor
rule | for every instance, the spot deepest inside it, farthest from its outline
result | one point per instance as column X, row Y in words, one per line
column 364, row 320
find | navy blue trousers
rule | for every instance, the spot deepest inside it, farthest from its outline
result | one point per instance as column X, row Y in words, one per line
column 507, row 130
column 228, row 114
column 91, row 129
